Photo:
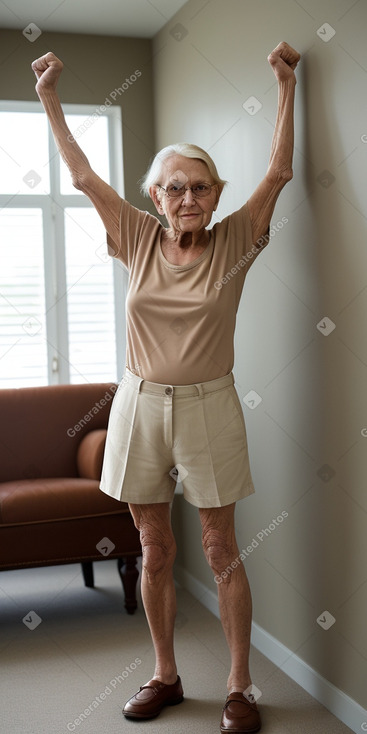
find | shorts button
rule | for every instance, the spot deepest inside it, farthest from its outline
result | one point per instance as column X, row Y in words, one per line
column 168, row 390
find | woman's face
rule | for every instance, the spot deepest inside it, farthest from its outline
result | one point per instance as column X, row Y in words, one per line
column 185, row 213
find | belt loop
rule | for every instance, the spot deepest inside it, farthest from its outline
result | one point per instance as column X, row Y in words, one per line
column 200, row 388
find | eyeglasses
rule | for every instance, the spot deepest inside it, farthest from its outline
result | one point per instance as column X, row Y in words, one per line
column 199, row 190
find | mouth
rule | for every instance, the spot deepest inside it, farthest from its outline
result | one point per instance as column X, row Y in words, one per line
column 189, row 216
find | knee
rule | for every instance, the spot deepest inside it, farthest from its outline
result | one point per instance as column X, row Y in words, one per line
column 158, row 555
column 220, row 554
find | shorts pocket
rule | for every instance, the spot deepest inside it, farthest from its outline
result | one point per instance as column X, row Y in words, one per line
column 236, row 402
column 122, row 415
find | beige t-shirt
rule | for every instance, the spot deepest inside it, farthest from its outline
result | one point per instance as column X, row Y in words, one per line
column 181, row 318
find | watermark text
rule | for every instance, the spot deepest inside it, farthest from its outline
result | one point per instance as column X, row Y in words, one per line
column 261, row 535
column 261, row 242
column 113, row 683
column 117, row 92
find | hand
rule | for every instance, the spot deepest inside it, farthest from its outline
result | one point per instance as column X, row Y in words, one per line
column 47, row 70
column 283, row 61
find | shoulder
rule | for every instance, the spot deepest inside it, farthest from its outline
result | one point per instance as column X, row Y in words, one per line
column 236, row 236
column 134, row 214
column 134, row 225
column 235, row 225
column 237, row 218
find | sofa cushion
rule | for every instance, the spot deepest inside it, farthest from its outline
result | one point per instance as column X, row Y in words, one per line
column 35, row 500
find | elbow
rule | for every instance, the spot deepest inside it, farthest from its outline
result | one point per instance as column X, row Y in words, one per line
column 287, row 175
column 77, row 183
column 279, row 177
column 80, row 179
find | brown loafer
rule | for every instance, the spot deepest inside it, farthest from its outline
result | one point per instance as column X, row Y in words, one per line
column 239, row 715
column 151, row 699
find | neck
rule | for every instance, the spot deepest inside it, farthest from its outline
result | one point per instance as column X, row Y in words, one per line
column 187, row 240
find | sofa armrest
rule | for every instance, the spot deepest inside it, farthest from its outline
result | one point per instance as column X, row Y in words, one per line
column 90, row 454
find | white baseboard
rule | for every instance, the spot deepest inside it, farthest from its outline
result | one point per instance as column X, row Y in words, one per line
column 337, row 702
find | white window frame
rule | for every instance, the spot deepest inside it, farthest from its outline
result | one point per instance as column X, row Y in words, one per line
column 54, row 239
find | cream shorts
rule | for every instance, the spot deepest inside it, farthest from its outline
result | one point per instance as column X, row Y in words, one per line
column 162, row 435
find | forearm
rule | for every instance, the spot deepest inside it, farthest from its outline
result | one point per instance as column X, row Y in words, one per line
column 281, row 154
column 69, row 149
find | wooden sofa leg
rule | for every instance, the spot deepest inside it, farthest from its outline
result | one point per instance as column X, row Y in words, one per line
column 129, row 575
column 88, row 574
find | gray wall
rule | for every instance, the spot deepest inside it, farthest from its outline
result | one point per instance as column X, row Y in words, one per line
column 307, row 452
column 93, row 67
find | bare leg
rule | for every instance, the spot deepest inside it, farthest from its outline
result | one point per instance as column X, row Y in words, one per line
column 235, row 604
column 157, row 588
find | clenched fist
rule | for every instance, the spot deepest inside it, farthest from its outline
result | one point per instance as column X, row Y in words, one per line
column 283, row 61
column 47, row 70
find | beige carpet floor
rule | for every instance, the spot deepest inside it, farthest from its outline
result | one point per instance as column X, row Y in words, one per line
column 88, row 655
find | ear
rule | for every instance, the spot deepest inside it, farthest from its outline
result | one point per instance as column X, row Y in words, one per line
column 155, row 195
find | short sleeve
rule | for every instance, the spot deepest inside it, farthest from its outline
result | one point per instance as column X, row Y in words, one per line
column 133, row 226
column 236, row 231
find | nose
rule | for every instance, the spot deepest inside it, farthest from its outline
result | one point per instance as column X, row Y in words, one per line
column 188, row 197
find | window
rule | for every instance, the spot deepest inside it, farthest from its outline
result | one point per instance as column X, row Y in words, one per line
column 61, row 296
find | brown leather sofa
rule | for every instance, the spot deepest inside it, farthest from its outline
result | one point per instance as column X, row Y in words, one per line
column 51, row 508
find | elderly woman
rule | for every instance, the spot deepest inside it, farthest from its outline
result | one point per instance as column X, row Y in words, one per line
column 176, row 414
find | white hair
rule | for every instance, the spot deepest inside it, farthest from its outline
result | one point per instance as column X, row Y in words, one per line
column 188, row 150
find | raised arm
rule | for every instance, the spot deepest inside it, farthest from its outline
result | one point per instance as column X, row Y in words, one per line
column 105, row 199
column 283, row 60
